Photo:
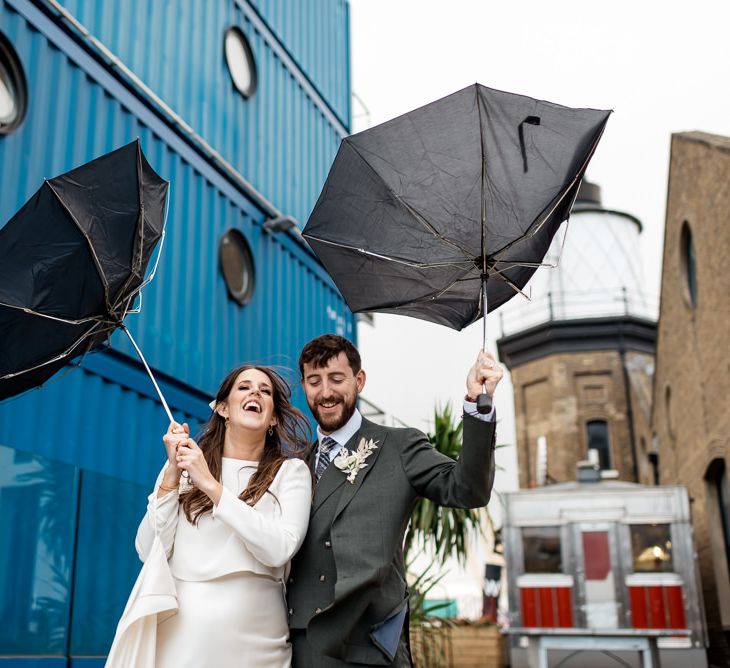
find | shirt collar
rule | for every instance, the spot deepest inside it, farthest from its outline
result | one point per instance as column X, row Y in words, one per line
column 345, row 433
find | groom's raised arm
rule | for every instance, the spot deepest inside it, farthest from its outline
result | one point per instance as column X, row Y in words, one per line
column 467, row 482
column 464, row 483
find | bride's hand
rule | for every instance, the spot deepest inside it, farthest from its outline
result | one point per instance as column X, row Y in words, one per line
column 190, row 458
column 174, row 436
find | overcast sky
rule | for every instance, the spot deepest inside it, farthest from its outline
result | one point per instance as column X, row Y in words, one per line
column 663, row 67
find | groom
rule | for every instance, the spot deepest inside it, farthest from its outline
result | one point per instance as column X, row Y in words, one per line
column 347, row 594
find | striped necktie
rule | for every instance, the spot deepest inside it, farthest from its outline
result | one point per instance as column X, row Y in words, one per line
column 325, row 447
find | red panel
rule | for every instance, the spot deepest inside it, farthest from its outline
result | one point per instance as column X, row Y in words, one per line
column 565, row 607
column 657, row 612
column 638, row 607
column 596, row 557
column 675, row 604
column 550, row 607
column 529, row 606
column 547, row 607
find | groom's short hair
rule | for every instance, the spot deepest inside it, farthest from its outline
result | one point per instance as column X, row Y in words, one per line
column 318, row 352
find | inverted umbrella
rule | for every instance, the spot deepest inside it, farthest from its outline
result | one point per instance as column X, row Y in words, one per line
column 72, row 263
column 445, row 213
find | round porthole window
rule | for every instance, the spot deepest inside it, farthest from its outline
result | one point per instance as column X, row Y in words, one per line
column 237, row 266
column 239, row 59
column 13, row 91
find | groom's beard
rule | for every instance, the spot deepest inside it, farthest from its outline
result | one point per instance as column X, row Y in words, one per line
column 333, row 420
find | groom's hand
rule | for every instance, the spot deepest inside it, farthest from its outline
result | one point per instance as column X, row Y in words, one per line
column 484, row 375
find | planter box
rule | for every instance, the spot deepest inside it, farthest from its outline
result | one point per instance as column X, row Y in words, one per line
column 473, row 646
column 461, row 646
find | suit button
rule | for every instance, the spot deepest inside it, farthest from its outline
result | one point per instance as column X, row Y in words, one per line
column 317, row 611
column 291, row 580
column 322, row 578
column 291, row 611
column 327, row 543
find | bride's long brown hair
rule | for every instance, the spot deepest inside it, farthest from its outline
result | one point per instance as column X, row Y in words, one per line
column 289, row 437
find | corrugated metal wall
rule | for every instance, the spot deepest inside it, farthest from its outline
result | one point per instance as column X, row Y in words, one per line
column 312, row 31
column 284, row 138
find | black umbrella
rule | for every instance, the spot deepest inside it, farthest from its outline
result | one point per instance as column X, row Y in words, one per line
column 445, row 213
column 72, row 263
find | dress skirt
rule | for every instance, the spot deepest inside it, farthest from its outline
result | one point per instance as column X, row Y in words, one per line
column 234, row 621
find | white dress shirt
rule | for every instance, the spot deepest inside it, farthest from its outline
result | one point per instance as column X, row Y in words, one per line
column 340, row 436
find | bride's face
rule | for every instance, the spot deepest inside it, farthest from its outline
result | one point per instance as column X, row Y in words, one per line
column 250, row 404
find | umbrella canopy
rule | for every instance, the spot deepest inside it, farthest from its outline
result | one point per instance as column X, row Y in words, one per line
column 419, row 214
column 72, row 262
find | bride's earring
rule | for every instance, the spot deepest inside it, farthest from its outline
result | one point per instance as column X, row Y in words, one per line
column 271, row 431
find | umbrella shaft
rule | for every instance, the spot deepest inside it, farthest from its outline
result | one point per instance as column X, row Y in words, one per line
column 149, row 372
column 484, row 313
column 484, row 402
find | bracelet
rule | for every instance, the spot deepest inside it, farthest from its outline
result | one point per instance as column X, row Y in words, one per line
column 165, row 488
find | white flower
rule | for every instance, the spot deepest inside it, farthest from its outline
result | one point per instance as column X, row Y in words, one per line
column 353, row 461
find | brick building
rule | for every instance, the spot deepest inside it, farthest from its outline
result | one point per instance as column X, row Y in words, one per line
column 691, row 415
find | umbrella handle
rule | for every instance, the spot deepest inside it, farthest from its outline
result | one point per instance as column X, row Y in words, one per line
column 484, row 404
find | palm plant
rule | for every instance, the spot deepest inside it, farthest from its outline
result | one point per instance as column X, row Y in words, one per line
column 445, row 529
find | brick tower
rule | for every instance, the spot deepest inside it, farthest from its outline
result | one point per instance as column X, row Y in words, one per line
column 581, row 352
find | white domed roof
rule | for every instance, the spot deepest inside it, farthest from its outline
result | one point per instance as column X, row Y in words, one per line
column 598, row 273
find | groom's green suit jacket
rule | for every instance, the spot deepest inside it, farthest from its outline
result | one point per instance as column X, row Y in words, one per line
column 347, row 584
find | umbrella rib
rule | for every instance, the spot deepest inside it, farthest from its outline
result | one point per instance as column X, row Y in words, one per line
column 408, row 263
column 67, row 321
column 160, row 244
column 419, row 216
column 536, row 227
column 426, row 298
column 138, row 290
column 518, row 263
column 504, row 279
column 136, row 261
column 414, row 213
column 99, row 270
column 66, row 353
column 530, row 264
column 483, row 189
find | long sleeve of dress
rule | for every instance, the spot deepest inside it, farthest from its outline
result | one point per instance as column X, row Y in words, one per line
column 272, row 540
column 161, row 518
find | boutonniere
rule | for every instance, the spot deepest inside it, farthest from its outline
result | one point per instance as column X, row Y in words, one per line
column 351, row 462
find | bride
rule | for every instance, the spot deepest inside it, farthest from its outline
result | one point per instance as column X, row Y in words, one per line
column 231, row 511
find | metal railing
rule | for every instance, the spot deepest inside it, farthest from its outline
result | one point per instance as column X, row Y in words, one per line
column 576, row 304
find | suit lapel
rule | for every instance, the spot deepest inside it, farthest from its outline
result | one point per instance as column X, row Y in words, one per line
column 368, row 430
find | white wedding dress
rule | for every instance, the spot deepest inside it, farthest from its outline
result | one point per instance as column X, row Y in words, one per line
column 229, row 571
